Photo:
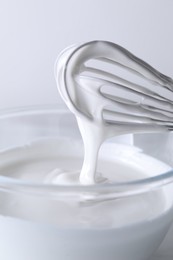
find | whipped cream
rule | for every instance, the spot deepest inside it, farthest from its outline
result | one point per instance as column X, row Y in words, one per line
column 85, row 98
column 46, row 225
column 58, row 162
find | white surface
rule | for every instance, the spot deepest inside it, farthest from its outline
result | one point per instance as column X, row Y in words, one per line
column 165, row 252
column 33, row 32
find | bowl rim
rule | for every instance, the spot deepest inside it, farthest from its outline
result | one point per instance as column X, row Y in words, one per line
column 105, row 190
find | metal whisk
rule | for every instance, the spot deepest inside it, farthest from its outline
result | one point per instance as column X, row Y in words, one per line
column 122, row 105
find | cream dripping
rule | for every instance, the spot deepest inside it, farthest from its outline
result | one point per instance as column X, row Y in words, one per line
column 134, row 108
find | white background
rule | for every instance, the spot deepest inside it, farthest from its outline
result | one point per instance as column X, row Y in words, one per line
column 33, row 32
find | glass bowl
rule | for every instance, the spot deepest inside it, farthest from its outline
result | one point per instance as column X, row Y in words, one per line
column 41, row 220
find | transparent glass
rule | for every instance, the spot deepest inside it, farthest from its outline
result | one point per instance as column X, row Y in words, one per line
column 40, row 221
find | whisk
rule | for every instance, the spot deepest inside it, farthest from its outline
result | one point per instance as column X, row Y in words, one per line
column 152, row 113
column 115, row 104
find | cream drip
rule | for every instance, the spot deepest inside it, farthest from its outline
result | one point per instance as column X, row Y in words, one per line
column 83, row 95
